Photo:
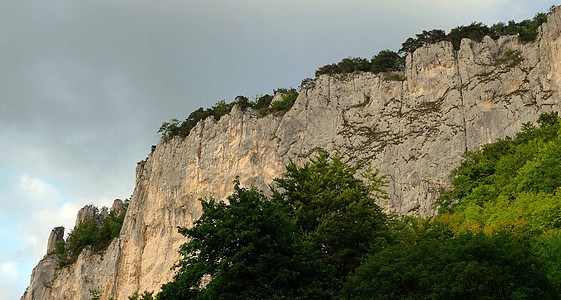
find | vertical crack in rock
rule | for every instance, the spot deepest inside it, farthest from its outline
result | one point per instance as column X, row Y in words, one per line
column 460, row 87
column 115, row 286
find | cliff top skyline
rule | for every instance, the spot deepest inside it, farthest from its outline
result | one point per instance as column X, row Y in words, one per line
column 86, row 86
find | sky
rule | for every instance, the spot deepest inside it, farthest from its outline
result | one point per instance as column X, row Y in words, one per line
column 85, row 85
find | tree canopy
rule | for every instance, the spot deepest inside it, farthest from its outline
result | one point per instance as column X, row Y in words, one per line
column 246, row 249
column 333, row 210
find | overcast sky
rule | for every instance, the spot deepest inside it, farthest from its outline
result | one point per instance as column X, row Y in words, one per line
column 85, row 85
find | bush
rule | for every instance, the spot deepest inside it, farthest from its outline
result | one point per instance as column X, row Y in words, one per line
column 387, row 60
column 285, row 104
column 88, row 233
column 182, row 129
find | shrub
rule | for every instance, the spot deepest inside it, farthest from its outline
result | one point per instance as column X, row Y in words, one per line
column 88, row 233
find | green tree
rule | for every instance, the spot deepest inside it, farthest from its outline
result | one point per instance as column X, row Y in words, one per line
column 431, row 263
column 264, row 101
column 422, row 39
column 248, row 249
column 83, row 235
column 386, row 60
column 328, row 69
column 333, row 209
column 474, row 31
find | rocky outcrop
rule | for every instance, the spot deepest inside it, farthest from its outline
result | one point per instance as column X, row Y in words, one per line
column 57, row 235
column 86, row 212
column 118, row 207
column 414, row 130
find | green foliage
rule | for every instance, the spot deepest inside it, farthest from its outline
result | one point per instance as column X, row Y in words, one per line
column 527, row 163
column 432, row 263
column 61, row 253
column 248, row 250
column 548, row 119
column 332, row 209
column 88, row 233
column 262, row 104
column 527, row 29
column 264, row 101
column 322, row 236
column 177, row 128
column 307, row 83
column 514, row 186
column 387, row 60
column 144, row 296
column 422, row 39
column 474, row 31
column 384, row 61
column 285, row 104
column 96, row 295
column 83, row 235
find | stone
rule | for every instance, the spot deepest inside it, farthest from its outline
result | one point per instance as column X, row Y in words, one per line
column 117, row 208
column 88, row 211
column 414, row 131
column 57, row 234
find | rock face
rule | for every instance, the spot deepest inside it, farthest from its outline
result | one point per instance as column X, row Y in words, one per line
column 118, row 207
column 88, row 211
column 57, row 235
column 414, row 130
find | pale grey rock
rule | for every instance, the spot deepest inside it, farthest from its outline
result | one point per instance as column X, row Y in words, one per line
column 104, row 213
column 88, row 211
column 42, row 277
column 117, row 208
column 277, row 97
column 415, row 131
column 57, row 234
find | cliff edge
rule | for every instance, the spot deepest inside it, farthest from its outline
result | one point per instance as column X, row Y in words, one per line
column 414, row 130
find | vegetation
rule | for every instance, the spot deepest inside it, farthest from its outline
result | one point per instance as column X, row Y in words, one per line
column 262, row 105
column 321, row 235
column 333, row 210
column 91, row 232
column 387, row 60
column 432, row 263
column 384, row 61
column 144, row 296
column 248, row 250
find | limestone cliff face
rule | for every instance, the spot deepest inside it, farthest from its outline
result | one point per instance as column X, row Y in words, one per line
column 413, row 130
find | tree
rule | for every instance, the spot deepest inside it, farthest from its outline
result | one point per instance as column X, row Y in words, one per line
column 422, row 39
column 474, row 31
column 328, row 69
column 242, row 101
column 246, row 249
column 386, row 60
column 332, row 209
column 307, row 83
column 431, row 264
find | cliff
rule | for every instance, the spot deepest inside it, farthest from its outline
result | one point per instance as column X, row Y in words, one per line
column 414, row 130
